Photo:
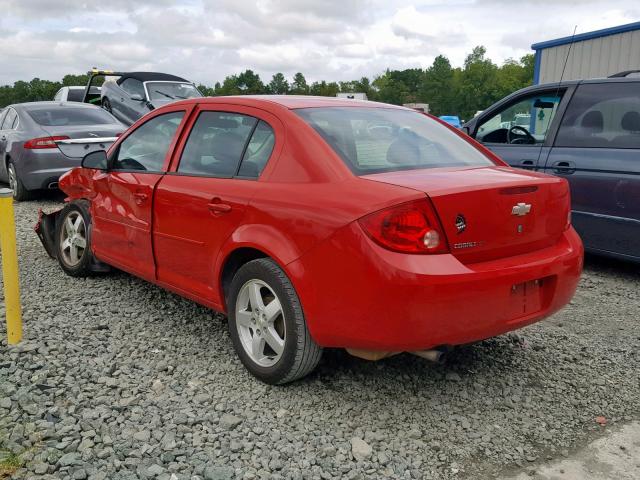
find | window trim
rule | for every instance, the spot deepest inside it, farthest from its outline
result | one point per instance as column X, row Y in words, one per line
column 244, row 149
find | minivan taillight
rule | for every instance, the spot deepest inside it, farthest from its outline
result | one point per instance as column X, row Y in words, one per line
column 411, row 227
column 43, row 142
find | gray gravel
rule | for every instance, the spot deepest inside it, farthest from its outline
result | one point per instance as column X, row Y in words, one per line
column 119, row 379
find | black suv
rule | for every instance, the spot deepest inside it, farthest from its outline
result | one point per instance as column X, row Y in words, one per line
column 587, row 131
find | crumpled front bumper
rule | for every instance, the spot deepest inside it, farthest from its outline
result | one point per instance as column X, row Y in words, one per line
column 45, row 228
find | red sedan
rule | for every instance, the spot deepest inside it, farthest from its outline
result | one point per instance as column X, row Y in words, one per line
column 318, row 222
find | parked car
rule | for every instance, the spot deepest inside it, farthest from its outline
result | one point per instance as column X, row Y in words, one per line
column 131, row 95
column 76, row 94
column 39, row 141
column 452, row 120
column 310, row 231
column 587, row 132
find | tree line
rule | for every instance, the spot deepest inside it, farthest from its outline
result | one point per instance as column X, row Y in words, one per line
column 448, row 91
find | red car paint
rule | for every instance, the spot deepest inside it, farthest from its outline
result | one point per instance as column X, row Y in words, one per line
column 179, row 232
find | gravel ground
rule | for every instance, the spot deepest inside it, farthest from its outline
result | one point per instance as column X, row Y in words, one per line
column 119, row 379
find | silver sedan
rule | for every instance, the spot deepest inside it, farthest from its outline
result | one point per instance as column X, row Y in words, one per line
column 39, row 141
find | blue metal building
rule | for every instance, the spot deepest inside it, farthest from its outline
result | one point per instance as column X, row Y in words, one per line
column 590, row 55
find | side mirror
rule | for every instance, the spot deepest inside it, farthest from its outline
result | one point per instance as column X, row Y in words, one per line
column 136, row 97
column 466, row 130
column 95, row 160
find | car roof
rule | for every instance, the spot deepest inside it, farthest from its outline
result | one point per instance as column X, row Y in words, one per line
column 41, row 105
column 290, row 101
column 150, row 76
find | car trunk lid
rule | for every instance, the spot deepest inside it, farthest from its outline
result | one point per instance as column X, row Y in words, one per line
column 84, row 140
column 491, row 212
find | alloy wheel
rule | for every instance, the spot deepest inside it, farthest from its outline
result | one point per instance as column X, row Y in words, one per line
column 13, row 179
column 73, row 238
column 260, row 323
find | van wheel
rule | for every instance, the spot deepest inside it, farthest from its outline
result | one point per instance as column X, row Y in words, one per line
column 73, row 239
column 267, row 325
column 20, row 193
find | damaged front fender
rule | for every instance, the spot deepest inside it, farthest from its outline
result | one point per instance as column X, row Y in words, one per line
column 46, row 230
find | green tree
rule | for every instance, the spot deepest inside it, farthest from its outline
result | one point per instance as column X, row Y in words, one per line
column 324, row 89
column 299, row 85
column 438, row 87
column 478, row 88
column 249, row 83
column 278, row 85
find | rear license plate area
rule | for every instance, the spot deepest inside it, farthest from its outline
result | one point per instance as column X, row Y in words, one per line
column 526, row 298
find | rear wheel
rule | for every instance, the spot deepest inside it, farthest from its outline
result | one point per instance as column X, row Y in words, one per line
column 267, row 325
column 20, row 193
column 72, row 239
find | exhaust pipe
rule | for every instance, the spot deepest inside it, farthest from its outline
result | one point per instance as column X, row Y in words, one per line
column 436, row 356
column 52, row 185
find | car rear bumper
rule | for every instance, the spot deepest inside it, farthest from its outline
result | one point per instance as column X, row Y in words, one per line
column 358, row 295
column 41, row 168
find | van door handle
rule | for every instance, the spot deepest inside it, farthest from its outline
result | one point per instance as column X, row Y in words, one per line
column 563, row 167
column 216, row 207
column 527, row 164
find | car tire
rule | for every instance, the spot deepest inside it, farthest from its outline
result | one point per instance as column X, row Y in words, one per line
column 106, row 105
column 20, row 193
column 255, row 324
column 72, row 239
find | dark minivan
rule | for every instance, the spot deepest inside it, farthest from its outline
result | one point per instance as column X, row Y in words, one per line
column 588, row 132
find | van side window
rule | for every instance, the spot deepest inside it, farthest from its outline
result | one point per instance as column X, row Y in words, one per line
column 525, row 122
column 602, row 115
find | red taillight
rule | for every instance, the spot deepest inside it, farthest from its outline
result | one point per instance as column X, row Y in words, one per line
column 43, row 142
column 411, row 227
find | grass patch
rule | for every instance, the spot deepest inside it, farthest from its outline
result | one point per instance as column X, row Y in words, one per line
column 9, row 464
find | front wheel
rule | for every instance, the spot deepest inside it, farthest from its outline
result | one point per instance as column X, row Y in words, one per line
column 267, row 325
column 72, row 239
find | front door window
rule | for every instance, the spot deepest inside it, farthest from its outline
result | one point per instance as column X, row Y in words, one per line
column 525, row 122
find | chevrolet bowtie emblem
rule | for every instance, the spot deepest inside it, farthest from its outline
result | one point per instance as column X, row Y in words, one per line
column 521, row 209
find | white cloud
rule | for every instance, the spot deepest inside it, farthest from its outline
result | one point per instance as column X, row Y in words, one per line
column 206, row 40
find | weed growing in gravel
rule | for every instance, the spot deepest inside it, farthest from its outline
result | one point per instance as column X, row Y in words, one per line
column 9, row 463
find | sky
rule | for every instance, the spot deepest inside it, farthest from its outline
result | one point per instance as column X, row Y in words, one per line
column 333, row 40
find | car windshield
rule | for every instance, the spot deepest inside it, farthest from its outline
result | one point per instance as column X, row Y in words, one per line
column 373, row 140
column 171, row 90
column 68, row 116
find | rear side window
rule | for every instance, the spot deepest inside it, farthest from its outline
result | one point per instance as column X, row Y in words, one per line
column 10, row 120
column 373, row 140
column 62, row 116
column 146, row 148
column 75, row 95
column 258, row 151
column 216, row 144
column 603, row 115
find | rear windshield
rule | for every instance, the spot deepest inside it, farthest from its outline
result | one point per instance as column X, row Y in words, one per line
column 69, row 116
column 373, row 140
